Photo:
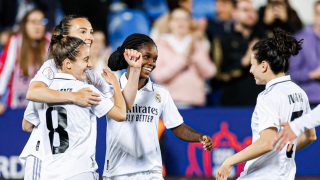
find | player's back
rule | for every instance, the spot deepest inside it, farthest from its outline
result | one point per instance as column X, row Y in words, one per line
column 68, row 134
column 281, row 101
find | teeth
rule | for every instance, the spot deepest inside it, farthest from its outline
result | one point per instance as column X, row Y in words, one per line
column 148, row 69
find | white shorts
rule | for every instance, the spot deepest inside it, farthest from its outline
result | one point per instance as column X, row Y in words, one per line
column 147, row 175
column 32, row 168
column 85, row 176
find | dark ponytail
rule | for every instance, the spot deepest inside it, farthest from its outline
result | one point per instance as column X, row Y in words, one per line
column 134, row 41
column 277, row 50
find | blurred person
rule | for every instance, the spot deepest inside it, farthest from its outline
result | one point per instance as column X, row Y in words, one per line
column 184, row 62
column 223, row 20
column 133, row 150
column 23, row 55
column 281, row 101
column 73, row 140
column 99, row 51
column 278, row 14
column 231, row 53
column 305, row 67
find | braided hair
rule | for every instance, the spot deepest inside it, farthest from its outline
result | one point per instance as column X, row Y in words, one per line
column 277, row 50
column 134, row 41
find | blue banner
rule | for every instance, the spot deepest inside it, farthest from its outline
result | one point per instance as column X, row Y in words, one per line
column 229, row 128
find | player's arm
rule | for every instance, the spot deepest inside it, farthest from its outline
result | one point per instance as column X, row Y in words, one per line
column 134, row 60
column 306, row 138
column 119, row 111
column 39, row 92
column 186, row 133
column 298, row 126
column 261, row 146
column 27, row 126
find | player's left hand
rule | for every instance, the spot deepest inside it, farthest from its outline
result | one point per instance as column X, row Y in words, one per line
column 223, row 172
column 206, row 142
column 285, row 136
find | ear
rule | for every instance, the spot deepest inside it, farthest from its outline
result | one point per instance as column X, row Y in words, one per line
column 67, row 63
column 265, row 66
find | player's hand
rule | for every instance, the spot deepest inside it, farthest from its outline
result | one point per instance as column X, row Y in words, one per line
column 206, row 142
column 133, row 58
column 224, row 171
column 285, row 136
column 109, row 76
column 86, row 97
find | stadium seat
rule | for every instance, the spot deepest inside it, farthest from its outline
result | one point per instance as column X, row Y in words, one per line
column 203, row 8
column 155, row 8
column 125, row 23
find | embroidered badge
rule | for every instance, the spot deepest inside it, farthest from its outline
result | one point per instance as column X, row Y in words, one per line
column 48, row 73
column 158, row 98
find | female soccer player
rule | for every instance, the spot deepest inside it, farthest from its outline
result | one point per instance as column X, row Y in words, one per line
column 281, row 101
column 133, row 150
column 67, row 133
column 75, row 26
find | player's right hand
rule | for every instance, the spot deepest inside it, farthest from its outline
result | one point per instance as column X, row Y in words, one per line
column 86, row 97
column 109, row 76
column 133, row 58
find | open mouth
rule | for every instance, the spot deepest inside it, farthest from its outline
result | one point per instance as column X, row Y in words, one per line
column 148, row 69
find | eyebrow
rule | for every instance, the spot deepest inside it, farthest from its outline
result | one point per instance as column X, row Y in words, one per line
column 83, row 28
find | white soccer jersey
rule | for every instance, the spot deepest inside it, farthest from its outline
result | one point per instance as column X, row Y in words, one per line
column 65, row 138
column 281, row 101
column 133, row 145
column 47, row 72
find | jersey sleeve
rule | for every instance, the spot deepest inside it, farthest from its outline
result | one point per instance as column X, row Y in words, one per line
column 104, row 106
column 46, row 73
column 308, row 121
column 267, row 113
column 170, row 114
column 99, row 83
column 31, row 114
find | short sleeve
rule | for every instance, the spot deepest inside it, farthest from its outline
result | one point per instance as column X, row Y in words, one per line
column 46, row 73
column 104, row 106
column 170, row 114
column 99, row 83
column 267, row 112
column 31, row 114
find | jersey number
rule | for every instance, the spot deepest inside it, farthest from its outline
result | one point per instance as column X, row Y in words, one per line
column 294, row 115
column 61, row 129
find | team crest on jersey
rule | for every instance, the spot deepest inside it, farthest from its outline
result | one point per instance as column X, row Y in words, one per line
column 158, row 98
column 48, row 73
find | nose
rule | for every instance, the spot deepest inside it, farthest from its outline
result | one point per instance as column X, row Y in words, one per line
column 89, row 65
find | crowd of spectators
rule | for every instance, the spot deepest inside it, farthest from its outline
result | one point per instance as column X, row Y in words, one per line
column 203, row 61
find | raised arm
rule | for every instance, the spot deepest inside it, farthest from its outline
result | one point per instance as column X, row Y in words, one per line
column 134, row 60
column 118, row 111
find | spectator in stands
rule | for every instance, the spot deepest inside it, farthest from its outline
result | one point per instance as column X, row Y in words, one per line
column 278, row 14
column 160, row 26
column 230, row 52
column 100, row 53
column 183, row 63
column 223, row 21
column 305, row 67
column 22, row 56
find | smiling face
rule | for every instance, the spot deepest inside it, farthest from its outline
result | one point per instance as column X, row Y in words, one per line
column 81, row 28
column 149, row 54
column 258, row 70
column 78, row 67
